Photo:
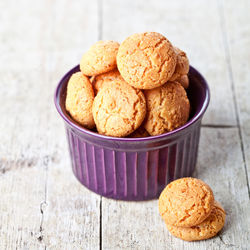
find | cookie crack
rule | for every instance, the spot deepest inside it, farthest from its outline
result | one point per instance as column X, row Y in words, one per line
column 158, row 44
column 163, row 119
column 130, row 121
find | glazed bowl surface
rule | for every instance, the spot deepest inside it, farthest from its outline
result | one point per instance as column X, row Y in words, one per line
column 134, row 168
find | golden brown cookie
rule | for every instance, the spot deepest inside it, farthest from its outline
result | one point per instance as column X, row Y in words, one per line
column 102, row 79
column 168, row 108
column 79, row 99
column 182, row 64
column 146, row 60
column 100, row 58
column 184, row 81
column 118, row 109
column 205, row 230
column 186, row 202
column 140, row 132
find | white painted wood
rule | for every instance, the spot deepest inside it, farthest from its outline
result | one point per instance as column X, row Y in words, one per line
column 193, row 26
column 24, row 157
column 238, row 40
column 72, row 213
column 137, row 225
column 22, row 191
column 42, row 205
column 221, row 165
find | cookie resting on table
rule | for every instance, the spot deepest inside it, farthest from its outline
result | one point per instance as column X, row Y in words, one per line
column 205, row 230
column 186, row 202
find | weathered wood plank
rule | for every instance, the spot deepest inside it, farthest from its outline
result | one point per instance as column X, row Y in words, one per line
column 23, row 161
column 237, row 35
column 221, row 164
column 23, row 157
column 72, row 213
column 128, row 225
column 194, row 26
column 22, row 192
column 42, row 205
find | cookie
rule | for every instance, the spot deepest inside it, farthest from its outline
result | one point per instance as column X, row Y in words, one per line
column 168, row 108
column 100, row 80
column 118, row 109
column 79, row 100
column 140, row 132
column 186, row 202
column 146, row 60
column 100, row 58
column 205, row 230
column 182, row 64
column 184, row 81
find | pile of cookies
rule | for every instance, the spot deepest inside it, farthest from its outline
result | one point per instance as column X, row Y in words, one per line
column 135, row 89
column 189, row 210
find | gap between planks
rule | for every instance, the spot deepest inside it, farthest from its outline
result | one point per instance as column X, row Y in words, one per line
column 99, row 28
column 224, row 32
column 217, row 126
column 44, row 203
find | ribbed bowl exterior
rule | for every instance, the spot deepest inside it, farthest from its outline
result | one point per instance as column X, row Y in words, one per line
column 132, row 175
column 134, row 168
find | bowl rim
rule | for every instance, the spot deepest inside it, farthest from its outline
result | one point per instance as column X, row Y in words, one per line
column 127, row 139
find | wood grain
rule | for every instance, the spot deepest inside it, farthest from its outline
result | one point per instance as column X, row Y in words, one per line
column 71, row 213
column 237, row 42
column 42, row 204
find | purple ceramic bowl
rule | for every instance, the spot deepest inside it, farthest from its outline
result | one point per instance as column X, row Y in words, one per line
column 134, row 168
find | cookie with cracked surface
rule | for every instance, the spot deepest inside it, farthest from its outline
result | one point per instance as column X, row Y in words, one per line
column 79, row 100
column 184, row 81
column 182, row 64
column 100, row 58
column 186, row 202
column 118, row 109
column 168, row 108
column 205, row 230
column 146, row 60
column 100, row 80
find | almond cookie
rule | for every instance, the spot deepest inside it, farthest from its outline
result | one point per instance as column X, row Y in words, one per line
column 168, row 108
column 205, row 230
column 118, row 109
column 101, row 79
column 79, row 100
column 100, row 58
column 146, row 60
column 182, row 64
column 184, row 81
column 186, row 202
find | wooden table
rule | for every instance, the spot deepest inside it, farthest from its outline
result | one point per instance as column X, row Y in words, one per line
column 42, row 205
